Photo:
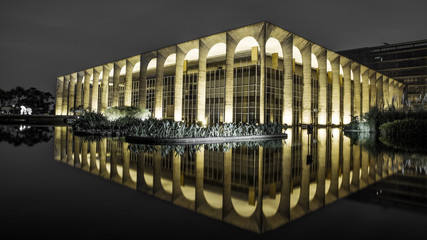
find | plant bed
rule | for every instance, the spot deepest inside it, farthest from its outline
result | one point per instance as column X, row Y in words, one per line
column 202, row 140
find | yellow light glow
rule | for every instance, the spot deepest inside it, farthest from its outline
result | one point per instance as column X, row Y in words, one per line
column 152, row 64
column 193, row 54
column 273, row 46
column 296, row 55
column 314, row 63
column 218, row 49
column 170, row 60
column 122, row 71
column 328, row 66
column 246, row 44
column 136, row 67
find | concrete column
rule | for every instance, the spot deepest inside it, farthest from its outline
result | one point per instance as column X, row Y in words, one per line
column 179, row 75
column 103, row 171
column 336, row 94
column 128, row 83
column 104, row 86
column 355, row 183
column 365, row 90
column 385, row 92
column 59, row 93
column 70, row 159
column 57, row 143
column 303, row 200
column 65, row 95
column 396, row 94
column 285, row 202
column 345, row 178
column 77, row 145
column 391, row 98
column 229, row 75
column 201, row 84
column 401, row 86
column 319, row 198
column 159, row 85
column 288, row 79
column 145, row 59
column 116, row 82
column 365, row 168
column 63, row 157
column 71, row 95
column 95, row 90
column 86, row 88
column 93, row 168
column 199, row 194
column 356, row 99
column 84, row 162
column 261, row 41
column 332, row 193
column 347, row 92
column 380, row 93
column 79, row 89
column 373, row 86
column 306, row 93
column 323, row 86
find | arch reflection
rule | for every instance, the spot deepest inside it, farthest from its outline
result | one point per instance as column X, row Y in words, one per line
column 255, row 186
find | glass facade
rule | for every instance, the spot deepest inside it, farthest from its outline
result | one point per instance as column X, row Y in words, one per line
column 151, row 95
column 273, row 95
column 314, row 97
column 297, row 88
column 168, row 97
column 110, row 95
column 215, row 93
column 121, row 94
column 189, row 98
column 246, row 93
column 135, row 93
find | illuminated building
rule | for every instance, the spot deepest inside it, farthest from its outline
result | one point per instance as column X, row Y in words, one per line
column 257, row 73
column 405, row 62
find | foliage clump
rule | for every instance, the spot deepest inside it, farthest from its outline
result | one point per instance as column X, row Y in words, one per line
column 135, row 123
column 114, row 113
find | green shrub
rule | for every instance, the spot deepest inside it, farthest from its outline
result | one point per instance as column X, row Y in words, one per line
column 404, row 128
column 115, row 113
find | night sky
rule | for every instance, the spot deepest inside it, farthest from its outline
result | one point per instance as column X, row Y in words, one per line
column 41, row 40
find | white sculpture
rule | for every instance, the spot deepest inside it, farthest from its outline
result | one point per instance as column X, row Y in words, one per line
column 23, row 110
column 26, row 111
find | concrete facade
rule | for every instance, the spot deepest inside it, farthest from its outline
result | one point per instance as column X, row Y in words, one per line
column 257, row 73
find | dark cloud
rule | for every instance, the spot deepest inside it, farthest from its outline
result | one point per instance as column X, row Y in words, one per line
column 41, row 40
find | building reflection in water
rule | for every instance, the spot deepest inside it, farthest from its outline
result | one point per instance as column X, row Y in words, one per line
column 255, row 187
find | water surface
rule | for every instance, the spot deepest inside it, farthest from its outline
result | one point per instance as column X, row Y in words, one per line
column 216, row 190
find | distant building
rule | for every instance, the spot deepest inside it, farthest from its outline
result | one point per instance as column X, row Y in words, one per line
column 405, row 62
column 258, row 73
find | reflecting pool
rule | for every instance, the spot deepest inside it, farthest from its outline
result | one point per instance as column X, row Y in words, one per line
column 256, row 186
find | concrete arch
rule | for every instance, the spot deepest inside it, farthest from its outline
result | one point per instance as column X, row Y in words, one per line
column 273, row 46
column 246, row 44
column 241, row 205
column 256, row 31
column 314, row 62
column 296, row 53
column 152, row 64
column 148, row 176
column 162, row 56
column 170, row 60
column 137, row 67
column 219, row 49
column 186, row 53
column 213, row 196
